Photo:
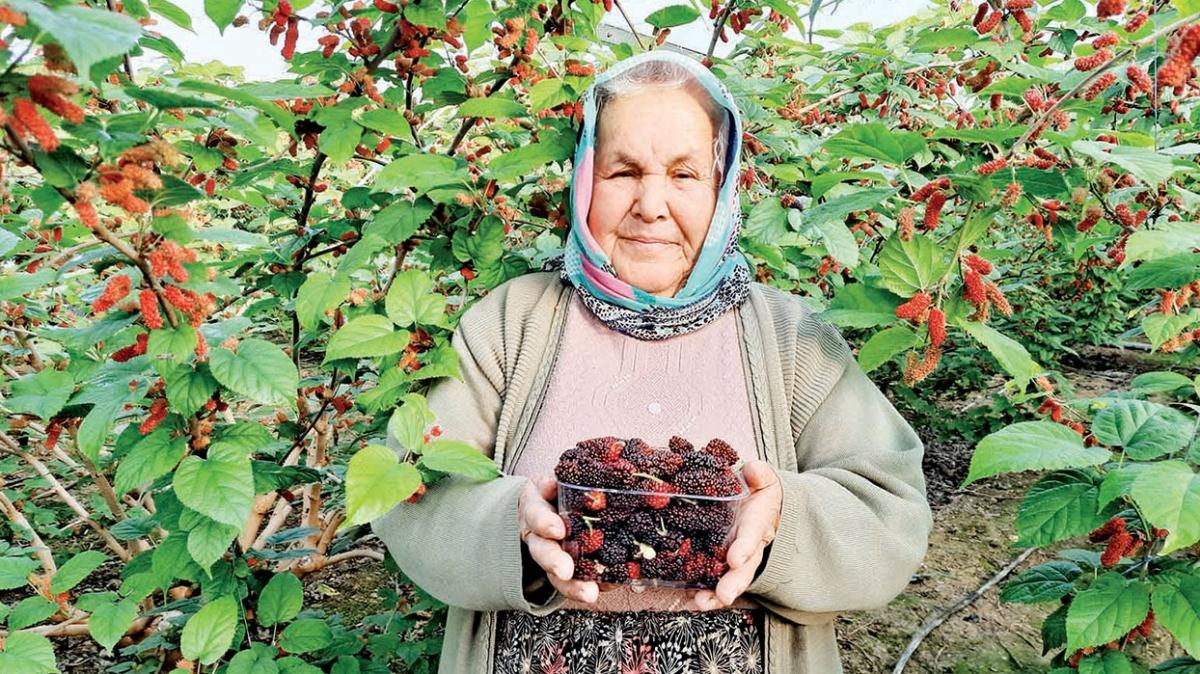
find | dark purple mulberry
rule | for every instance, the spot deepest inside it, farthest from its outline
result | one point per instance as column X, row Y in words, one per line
column 660, row 463
column 705, row 482
column 604, row 448
column 702, row 518
column 721, row 450
column 679, row 445
column 592, row 473
column 698, row 460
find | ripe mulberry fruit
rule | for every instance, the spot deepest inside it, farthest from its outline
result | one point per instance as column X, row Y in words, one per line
column 1107, row 8
column 705, row 482
column 721, row 450
column 679, row 445
column 698, row 518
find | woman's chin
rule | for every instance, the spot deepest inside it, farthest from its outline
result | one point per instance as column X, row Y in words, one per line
column 652, row 283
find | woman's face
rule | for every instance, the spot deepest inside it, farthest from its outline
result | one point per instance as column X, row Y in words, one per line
column 654, row 189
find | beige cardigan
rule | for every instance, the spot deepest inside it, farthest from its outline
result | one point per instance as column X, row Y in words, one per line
column 855, row 522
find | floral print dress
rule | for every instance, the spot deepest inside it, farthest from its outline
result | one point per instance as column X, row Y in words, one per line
column 573, row 641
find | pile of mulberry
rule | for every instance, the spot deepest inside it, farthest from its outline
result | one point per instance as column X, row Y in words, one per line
column 639, row 513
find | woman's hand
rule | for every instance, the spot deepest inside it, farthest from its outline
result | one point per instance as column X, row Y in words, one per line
column 541, row 528
column 754, row 529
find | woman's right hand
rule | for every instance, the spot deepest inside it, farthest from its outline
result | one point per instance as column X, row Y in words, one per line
column 541, row 529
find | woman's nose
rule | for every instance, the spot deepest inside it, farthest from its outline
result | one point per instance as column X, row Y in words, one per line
column 650, row 203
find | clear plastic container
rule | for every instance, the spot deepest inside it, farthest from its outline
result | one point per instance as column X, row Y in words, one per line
column 674, row 541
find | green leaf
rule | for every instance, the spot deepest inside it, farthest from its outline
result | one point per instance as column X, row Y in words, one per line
column 548, row 93
column 885, row 344
column 767, row 221
column 1108, row 662
column 281, row 600
column 876, row 141
column 1173, row 271
column 477, row 18
column 319, row 293
column 426, row 13
column 526, row 160
column 1164, row 241
column 1045, row 582
column 30, row 611
column 1146, row 430
column 366, row 337
column 1106, row 610
column 1011, row 355
column 172, row 12
column 76, row 569
column 375, row 482
column 1168, row 493
column 259, row 370
column 209, row 633
column 14, row 571
column 929, row 41
column 177, row 343
column 1032, row 445
column 306, row 636
column 1159, row 382
column 259, row 659
column 27, row 653
column 455, row 456
column 220, row 487
column 208, row 541
column 42, row 394
column 861, row 306
column 1160, row 327
column 1145, row 164
column 399, row 220
column 88, row 35
column 340, row 137
column 408, row 422
column 1119, row 481
column 15, row 285
column 222, row 12
column 1178, row 609
column 672, row 15
column 412, row 301
column 1067, row 11
column 1061, row 505
column 188, row 390
column 908, row 267
column 109, row 622
column 492, row 106
column 420, row 171
column 388, row 122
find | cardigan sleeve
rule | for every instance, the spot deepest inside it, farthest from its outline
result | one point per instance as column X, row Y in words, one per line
column 460, row 541
column 855, row 520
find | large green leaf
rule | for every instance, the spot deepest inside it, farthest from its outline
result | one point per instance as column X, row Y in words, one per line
column 907, row 267
column 399, row 220
column 366, row 337
column 1119, row 481
column 42, row 394
column 860, row 306
column 1168, row 493
column 419, row 171
column 319, row 293
column 88, row 35
column 209, row 633
column 876, row 141
column 388, row 122
column 492, row 106
column 1177, row 607
column 208, row 541
column 526, row 160
column 222, row 12
column 767, row 221
column 1109, row 607
column 408, row 422
column 27, row 653
column 30, row 611
column 1106, row 662
column 412, row 301
column 672, row 15
column 375, row 482
column 1164, row 241
column 259, row 370
column 176, row 344
column 14, row 571
column 220, row 487
column 1174, row 271
column 1060, row 505
column 1146, row 430
column 188, row 390
column 884, row 344
column 1011, row 355
column 1045, row 582
column 281, row 600
column 77, row 568
column 455, row 456
column 151, row 458
column 1161, row 327
column 306, row 636
column 109, row 622
column 1032, row 445
column 1144, row 163
column 260, row 659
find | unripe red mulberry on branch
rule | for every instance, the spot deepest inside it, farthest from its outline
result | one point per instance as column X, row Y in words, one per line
column 905, row 222
column 1011, row 194
column 49, row 91
column 148, row 303
column 1107, row 8
column 28, row 121
column 937, row 327
column 1108, row 39
column 990, row 167
column 1185, row 45
column 914, row 307
column 1093, row 61
column 1099, row 85
column 933, row 210
column 1136, row 22
column 114, row 291
column 929, row 188
column 978, row 264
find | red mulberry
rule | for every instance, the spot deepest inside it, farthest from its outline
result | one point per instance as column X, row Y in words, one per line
column 990, row 167
column 933, row 210
column 937, row 327
column 1107, row 8
column 721, row 450
column 708, row 482
column 1136, row 22
column 973, row 290
column 1093, row 61
column 32, row 121
column 1139, row 79
column 114, row 291
column 914, row 307
column 978, row 264
column 148, row 302
column 1109, row 39
column 1099, row 85
column 679, row 445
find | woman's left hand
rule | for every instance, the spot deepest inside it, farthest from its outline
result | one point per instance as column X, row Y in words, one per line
column 754, row 529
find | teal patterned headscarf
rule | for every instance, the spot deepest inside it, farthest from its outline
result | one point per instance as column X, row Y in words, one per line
column 720, row 278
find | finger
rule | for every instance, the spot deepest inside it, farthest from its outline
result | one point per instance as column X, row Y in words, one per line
column 586, row 591
column 751, row 534
column 706, row 600
column 735, row 581
column 547, row 487
column 544, row 520
column 759, row 475
column 550, row 556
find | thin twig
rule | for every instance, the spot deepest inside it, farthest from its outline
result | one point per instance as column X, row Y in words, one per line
column 718, row 26
column 942, row 615
column 629, row 23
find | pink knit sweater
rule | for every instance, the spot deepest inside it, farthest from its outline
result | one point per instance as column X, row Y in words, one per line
column 607, row 383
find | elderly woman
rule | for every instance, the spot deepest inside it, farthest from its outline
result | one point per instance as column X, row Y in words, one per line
column 653, row 328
